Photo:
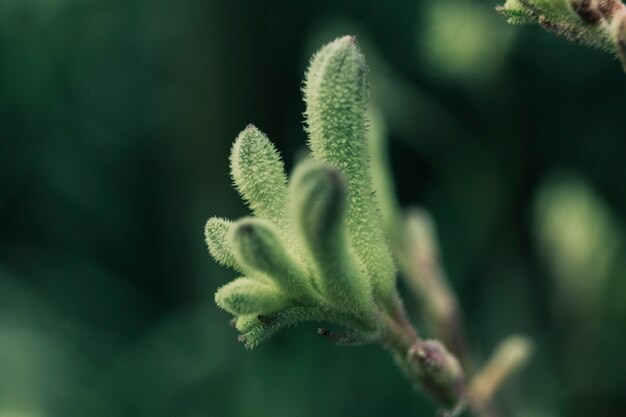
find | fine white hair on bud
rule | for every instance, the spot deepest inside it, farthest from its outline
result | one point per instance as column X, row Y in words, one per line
column 259, row 175
column 336, row 95
column 258, row 248
column 318, row 203
column 215, row 232
column 247, row 296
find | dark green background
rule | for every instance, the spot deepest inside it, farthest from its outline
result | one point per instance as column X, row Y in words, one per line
column 116, row 119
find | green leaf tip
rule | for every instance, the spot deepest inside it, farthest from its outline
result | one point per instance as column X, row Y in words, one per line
column 318, row 195
column 336, row 95
column 258, row 248
column 259, row 175
column 245, row 296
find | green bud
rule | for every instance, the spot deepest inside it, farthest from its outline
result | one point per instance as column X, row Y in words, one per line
column 259, row 175
column 247, row 296
column 318, row 197
column 257, row 247
column 336, row 96
column 215, row 232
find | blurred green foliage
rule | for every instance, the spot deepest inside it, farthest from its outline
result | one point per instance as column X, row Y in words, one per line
column 116, row 119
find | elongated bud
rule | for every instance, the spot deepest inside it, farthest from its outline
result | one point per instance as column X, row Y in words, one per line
column 215, row 232
column 259, row 175
column 318, row 197
column 247, row 296
column 336, row 96
column 440, row 371
column 257, row 247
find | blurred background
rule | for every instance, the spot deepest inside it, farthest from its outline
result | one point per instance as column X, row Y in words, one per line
column 116, row 119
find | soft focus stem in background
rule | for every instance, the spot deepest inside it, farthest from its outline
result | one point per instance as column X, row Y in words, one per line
column 436, row 366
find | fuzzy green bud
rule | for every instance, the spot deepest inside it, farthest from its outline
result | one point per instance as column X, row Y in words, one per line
column 336, row 96
column 248, row 296
column 215, row 232
column 258, row 248
column 318, row 202
column 258, row 173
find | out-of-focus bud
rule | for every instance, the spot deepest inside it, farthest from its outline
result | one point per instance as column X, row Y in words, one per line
column 510, row 355
column 439, row 370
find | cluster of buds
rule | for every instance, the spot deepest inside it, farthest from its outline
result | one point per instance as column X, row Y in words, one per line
column 319, row 246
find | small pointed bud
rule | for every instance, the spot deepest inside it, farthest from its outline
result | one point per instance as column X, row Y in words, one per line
column 215, row 232
column 247, row 296
column 258, row 248
column 259, row 175
column 336, row 96
column 318, row 203
column 440, row 371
